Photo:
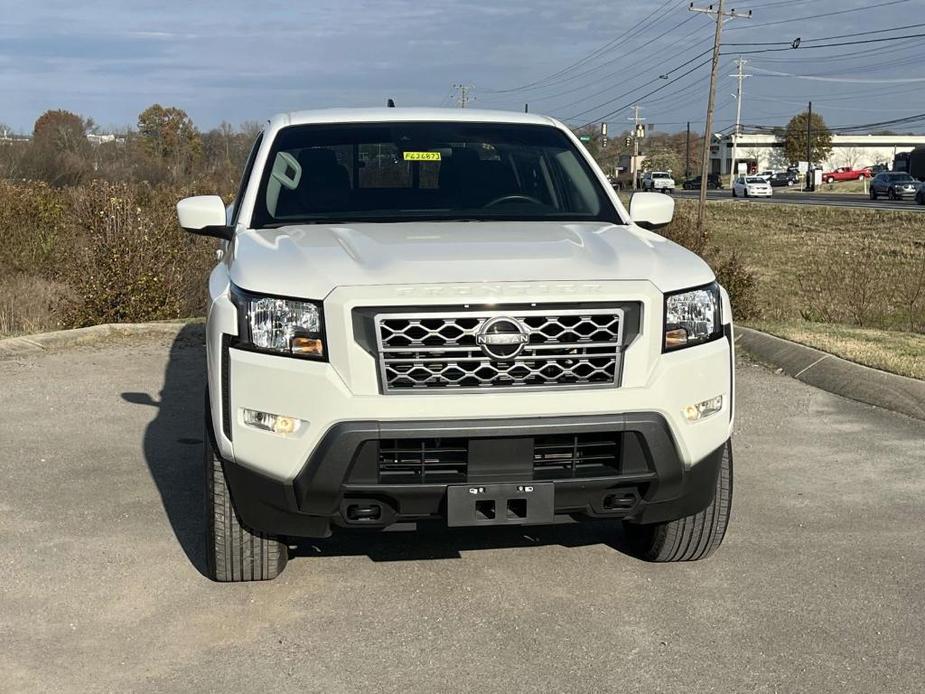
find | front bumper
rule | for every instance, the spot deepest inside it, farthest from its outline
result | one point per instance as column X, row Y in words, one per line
column 341, row 483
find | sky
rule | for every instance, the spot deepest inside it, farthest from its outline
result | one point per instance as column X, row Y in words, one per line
column 237, row 61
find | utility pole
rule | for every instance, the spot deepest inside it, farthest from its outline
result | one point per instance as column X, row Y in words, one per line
column 464, row 97
column 810, row 174
column 639, row 131
column 687, row 153
column 722, row 16
column 740, row 75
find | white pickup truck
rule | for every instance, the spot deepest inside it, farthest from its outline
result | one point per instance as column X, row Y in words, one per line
column 658, row 182
column 449, row 316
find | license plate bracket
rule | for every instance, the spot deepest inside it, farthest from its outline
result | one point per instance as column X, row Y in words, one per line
column 527, row 503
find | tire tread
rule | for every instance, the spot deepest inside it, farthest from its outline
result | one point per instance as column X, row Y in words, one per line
column 234, row 552
column 693, row 537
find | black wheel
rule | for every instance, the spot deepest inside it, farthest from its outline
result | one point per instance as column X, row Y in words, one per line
column 873, row 194
column 233, row 553
column 692, row 537
column 891, row 194
column 734, row 193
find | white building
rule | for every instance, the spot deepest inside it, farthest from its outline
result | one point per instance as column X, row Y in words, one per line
column 764, row 151
column 98, row 139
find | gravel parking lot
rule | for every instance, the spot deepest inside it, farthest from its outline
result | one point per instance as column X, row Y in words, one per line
column 820, row 585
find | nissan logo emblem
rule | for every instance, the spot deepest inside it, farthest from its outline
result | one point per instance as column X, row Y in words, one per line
column 502, row 338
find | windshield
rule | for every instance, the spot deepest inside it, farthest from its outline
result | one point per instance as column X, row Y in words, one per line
column 388, row 172
column 901, row 177
column 660, row 175
column 755, row 179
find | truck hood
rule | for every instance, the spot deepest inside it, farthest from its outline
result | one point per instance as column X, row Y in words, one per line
column 309, row 261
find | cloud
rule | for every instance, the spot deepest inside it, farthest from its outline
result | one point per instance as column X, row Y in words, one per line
column 227, row 61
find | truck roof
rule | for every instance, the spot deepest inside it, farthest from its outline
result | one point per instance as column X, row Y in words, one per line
column 381, row 114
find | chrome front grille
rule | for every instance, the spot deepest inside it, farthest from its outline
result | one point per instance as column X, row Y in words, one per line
column 525, row 349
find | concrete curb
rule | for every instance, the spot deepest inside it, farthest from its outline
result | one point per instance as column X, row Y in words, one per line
column 836, row 375
column 43, row 342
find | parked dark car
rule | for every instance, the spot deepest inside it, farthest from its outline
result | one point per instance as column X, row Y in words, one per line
column 895, row 185
column 920, row 195
column 714, row 182
column 784, row 179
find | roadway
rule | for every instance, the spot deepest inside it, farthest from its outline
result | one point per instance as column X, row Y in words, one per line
column 819, row 587
column 793, row 197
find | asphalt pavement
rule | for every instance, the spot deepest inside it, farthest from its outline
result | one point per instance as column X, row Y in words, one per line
column 819, row 587
column 793, row 197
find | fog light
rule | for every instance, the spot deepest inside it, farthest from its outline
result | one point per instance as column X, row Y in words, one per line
column 278, row 424
column 702, row 410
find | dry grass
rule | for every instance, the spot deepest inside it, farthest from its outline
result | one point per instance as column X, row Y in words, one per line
column 852, row 187
column 897, row 352
column 30, row 304
column 860, row 267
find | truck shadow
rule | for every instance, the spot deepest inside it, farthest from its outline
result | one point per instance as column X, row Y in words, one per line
column 173, row 451
column 173, row 441
column 433, row 540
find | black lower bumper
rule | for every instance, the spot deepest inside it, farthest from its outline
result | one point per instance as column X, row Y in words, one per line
column 373, row 474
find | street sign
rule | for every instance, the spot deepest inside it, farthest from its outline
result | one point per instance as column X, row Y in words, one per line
column 585, row 138
column 802, row 166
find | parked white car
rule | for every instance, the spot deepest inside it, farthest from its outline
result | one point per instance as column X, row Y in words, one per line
column 658, row 182
column 448, row 315
column 750, row 187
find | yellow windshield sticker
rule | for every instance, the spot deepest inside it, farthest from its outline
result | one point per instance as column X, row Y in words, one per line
column 422, row 156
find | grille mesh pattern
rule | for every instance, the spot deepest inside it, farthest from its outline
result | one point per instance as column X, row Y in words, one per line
column 574, row 455
column 562, row 348
column 422, row 461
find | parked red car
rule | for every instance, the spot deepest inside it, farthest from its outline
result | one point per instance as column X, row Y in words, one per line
column 846, row 173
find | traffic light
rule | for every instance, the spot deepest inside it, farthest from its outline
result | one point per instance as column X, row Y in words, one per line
column 627, row 140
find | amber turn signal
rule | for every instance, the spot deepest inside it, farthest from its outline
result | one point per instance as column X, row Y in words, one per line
column 307, row 345
column 675, row 338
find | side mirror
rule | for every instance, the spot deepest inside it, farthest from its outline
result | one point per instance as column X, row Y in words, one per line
column 651, row 210
column 204, row 215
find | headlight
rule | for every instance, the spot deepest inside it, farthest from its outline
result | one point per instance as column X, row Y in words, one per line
column 283, row 326
column 692, row 317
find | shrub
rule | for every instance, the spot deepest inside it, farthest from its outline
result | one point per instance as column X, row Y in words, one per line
column 730, row 268
column 741, row 283
column 134, row 263
column 32, row 216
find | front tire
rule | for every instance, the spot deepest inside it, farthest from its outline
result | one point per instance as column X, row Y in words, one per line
column 690, row 538
column 233, row 552
column 873, row 194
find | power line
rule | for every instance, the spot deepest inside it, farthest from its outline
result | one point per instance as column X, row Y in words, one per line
column 621, row 57
column 830, row 45
column 830, row 38
column 816, row 16
column 646, row 84
column 654, row 91
column 585, row 85
column 849, row 55
column 591, row 56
